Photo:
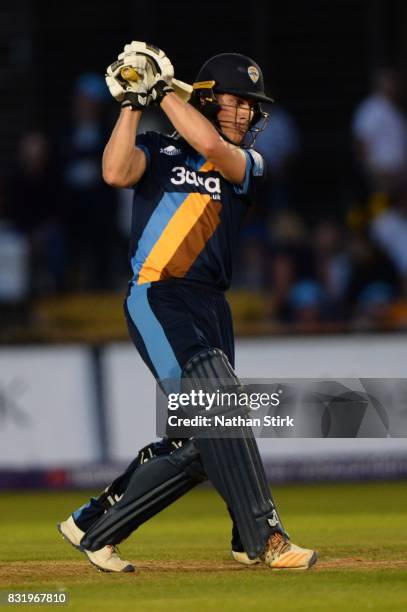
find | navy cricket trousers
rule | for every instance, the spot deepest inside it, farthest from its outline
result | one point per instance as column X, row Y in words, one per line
column 170, row 321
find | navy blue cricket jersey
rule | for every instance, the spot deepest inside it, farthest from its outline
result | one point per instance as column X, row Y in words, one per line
column 186, row 216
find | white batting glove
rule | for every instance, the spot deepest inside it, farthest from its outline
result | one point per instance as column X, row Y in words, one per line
column 132, row 92
column 161, row 67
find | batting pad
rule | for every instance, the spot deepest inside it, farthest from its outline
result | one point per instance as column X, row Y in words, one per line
column 153, row 486
column 233, row 464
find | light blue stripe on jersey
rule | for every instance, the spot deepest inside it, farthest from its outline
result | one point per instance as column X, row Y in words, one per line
column 154, row 338
column 243, row 187
column 195, row 162
column 160, row 218
column 146, row 151
column 258, row 162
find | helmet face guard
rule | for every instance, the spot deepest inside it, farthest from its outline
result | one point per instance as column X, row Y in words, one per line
column 234, row 74
column 204, row 99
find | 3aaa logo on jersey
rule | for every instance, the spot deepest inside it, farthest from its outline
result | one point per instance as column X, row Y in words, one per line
column 211, row 184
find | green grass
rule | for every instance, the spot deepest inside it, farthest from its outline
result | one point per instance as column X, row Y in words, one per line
column 359, row 530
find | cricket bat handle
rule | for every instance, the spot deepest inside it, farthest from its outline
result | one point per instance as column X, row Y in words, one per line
column 183, row 90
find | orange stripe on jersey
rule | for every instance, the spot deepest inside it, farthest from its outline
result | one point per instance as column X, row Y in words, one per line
column 176, row 233
column 194, row 242
column 172, row 237
column 207, row 167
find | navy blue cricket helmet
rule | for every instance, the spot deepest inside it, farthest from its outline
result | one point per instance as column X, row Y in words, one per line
column 232, row 73
column 236, row 74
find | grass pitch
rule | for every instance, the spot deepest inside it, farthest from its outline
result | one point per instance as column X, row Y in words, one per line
column 183, row 556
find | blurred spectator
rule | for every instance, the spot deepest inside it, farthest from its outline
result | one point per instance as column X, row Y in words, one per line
column 32, row 208
column 332, row 264
column 279, row 144
column 14, row 265
column 290, row 261
column 321, row 276
column 373, row 284
column 289, row 235
column 389, row 230
column 380, row 132
column 307, row 303
column 251, row 264
column 287, row 227
column 89, row 205
column 14, row 283
column 283, row 273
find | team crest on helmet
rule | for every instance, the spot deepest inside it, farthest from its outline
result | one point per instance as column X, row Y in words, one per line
column 253, row 73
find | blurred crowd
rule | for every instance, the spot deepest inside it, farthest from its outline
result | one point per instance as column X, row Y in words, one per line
column 63, row 230
column 350, row 266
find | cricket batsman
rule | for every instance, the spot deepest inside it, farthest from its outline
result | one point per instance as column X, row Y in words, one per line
column 192, row 190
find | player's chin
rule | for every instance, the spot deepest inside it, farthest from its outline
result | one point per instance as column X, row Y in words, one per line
column 235, row 136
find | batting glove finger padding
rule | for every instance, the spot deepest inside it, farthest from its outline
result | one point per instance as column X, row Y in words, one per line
column 127, row 80
column 163, row 67
column 117, row 88
column 139, row 66
column 137, row 61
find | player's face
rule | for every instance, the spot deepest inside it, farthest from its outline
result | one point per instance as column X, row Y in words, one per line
column 235, row 116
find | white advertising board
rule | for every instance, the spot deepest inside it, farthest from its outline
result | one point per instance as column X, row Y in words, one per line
column 47, row 407
column 367, row 356
column 131, row 390
column 129, row 400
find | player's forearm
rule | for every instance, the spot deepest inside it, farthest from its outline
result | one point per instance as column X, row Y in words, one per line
column 192, row 125
column 121, row 160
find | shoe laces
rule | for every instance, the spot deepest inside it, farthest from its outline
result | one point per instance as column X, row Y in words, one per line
column 114, row 551
column 278, row 544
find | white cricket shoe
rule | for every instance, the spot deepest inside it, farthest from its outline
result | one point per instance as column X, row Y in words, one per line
column 280, row 553
column 241, row 557
column 106, row 559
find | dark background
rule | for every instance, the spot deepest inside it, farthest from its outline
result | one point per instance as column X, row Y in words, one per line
column 292, row 273
column 317, row 58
